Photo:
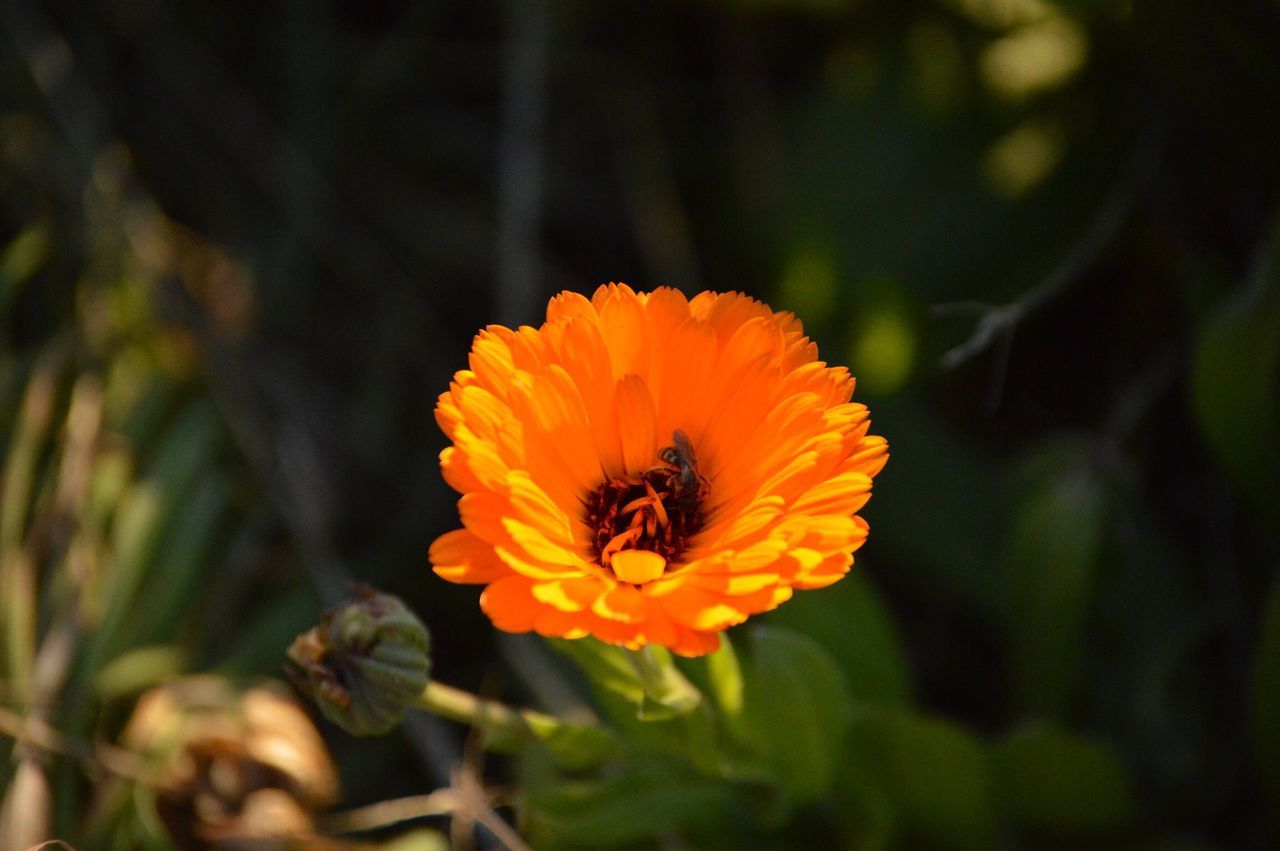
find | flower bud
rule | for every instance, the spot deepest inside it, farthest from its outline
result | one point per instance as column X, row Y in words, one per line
column 365, row 664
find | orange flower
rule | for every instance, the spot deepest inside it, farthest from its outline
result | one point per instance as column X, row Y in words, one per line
column 647, row 468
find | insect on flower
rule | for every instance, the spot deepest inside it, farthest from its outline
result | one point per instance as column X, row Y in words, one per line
column 686, row 485
column 648, row 468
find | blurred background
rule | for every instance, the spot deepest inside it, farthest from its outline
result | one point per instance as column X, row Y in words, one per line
column 244, row 246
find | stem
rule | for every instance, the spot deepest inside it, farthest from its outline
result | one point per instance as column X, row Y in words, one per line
column 650, row 670
column 574, row 745
column 505, row 729
column 665, row 688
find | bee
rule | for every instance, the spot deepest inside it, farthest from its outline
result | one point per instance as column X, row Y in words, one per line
column 685, row 482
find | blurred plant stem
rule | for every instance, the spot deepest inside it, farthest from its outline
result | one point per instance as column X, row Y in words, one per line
column 505, row 729
column 665, row 688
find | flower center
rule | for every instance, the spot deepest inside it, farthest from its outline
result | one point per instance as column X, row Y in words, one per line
column 657, row 510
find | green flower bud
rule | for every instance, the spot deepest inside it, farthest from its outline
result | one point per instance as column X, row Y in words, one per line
column 365, row 664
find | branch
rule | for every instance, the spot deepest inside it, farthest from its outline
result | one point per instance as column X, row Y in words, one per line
column 35, row 733
column 1000, row 320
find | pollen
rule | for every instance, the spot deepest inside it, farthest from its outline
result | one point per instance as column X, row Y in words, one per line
column 657, row 511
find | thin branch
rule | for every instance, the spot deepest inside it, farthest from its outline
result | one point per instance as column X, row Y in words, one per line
column 388, row 813
column 995, row 321
column 35, row 733
column 999, row 320
column 466, row 800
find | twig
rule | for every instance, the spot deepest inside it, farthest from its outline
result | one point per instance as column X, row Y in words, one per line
column 387, row 813
column 995, row 321
column 35, row 733
column 466, row 800
column 998, row 320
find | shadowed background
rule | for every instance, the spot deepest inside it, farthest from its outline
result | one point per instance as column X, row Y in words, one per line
column 246, row 246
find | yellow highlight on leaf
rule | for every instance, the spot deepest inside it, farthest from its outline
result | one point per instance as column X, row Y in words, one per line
column 1022, row 159
column 884, row 352
column 1003, row 14
column 1035, row 58
column 809, row 283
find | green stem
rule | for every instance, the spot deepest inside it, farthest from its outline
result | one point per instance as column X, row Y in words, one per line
column 575, row 746
column 505, row 729
column 649, row 668
column 666, row 690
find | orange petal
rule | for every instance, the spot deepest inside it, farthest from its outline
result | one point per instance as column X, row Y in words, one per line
column 557, row 408
column 841, row 494
column 827, row 571
column 622, row 324
column 622, row 603
column 510, row 605
column 684, row 369
column 734, row 584
column 635, row 425
column 453, row 466
column 556, row 624
column 535, row 545
column 535, row 508
column 460, row 556
column 569, row 595
column 701, row 610
column 690, row 642
column 568, row 304
column 491, row 362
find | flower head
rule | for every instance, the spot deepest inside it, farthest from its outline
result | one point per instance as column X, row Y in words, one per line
column 647, row 468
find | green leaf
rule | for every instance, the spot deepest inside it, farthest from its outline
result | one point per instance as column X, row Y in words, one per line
column 935, row 776
column 667, row 693
column 145, row 520
column 797, row 711
column 642, row 805
column 139, row 669
column 21, row 259
column 184, row 562
column 1234, row 380
column 1053, row 781
column 576, row 747
column 852, row 623
column 20, row 486
column 726, row 684
column 648, row 678
column 1050, row 568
